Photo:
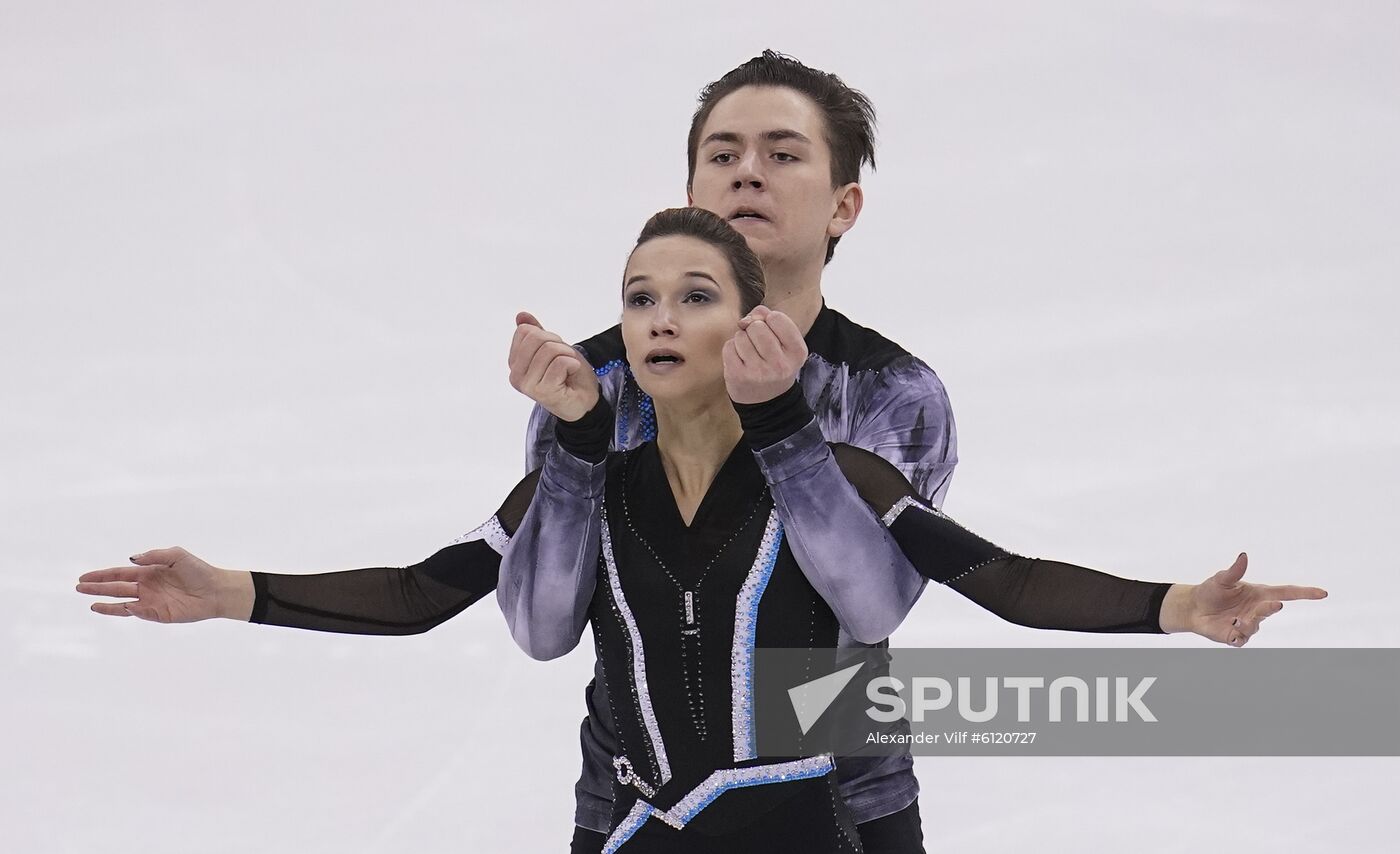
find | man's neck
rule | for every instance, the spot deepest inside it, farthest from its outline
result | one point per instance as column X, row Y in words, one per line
column 796, row 293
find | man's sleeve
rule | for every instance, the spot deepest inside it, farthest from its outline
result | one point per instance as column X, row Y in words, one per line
column 904, row 416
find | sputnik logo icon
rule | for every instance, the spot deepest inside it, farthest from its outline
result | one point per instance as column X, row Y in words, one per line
column 810, row 700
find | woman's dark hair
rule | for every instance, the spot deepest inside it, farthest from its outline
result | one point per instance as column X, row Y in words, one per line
column 703, row 225
column 849, row 115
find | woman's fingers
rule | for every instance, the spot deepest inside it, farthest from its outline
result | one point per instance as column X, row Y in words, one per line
column 128, row 609
column 1231, row 575
column 548, row 353
column 524, row 347
column 789, row 336
column 115, row 589
column 112, row 609
column 1245, row 627
column 556, row 373
column 730, row 357
column 116, row 573
column 744, row 348
column 764, row 341
column 165, row 557
column 523, row 344
column 1290, row 592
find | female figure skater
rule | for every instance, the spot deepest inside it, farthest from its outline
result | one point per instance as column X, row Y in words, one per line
column 708, row 550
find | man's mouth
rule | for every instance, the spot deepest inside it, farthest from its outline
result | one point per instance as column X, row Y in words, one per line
column 747, row 214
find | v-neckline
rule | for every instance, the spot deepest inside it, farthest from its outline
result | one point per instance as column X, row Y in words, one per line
column 653, row 516
column 673, row 506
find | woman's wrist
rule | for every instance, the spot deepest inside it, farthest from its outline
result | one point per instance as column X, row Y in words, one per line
column 588, row 437
column 1177, row 614
column 234, row 600
column 774, row 420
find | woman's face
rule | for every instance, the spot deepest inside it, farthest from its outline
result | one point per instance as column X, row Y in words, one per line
column 679, row 306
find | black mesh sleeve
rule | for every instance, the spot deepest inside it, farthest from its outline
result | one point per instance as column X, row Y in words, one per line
column 1043, row 594
column 588, row 437
column 393, row 600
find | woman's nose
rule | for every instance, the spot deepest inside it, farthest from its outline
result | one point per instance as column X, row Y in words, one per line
column 663, row 322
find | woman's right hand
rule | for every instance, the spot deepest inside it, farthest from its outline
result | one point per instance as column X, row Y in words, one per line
column 170, row 586
column 549, row 371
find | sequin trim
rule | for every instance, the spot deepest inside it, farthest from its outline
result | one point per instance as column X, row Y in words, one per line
column 910, row 501
column 639, row 662
column 715, row 785
column 905, row 503
column 628, row 826
column 609, row 367
column 490, row 531
column 646, row 410
column 745, row 624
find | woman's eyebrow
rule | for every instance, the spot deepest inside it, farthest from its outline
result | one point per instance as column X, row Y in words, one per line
column 698, row 274
column 635, row 279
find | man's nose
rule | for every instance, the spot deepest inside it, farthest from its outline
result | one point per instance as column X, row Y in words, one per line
column 749, row 173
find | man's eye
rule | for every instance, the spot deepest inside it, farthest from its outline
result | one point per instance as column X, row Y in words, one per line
column 784, row 157
column 723, row 157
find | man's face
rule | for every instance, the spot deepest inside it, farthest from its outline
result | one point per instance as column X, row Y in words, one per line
column 763, row 164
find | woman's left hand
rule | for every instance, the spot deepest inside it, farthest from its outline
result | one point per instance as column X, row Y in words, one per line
column 1225, row 608
column 763, row 358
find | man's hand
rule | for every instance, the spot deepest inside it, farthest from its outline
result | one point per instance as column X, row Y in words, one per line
column 1226, row 609
column 550, row 372
column 763, row 358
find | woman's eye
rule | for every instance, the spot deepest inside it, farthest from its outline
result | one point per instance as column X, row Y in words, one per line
column 639, row 299
column 697, row 296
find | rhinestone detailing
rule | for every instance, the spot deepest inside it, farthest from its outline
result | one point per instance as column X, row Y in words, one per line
column 490, row 531
column 639, row 662
column 628, row 826
column 913, row 501
column 646, row 411
column 648, row 417
column 715, row 785
column 745, row 624
column 627, row 777
column 899, row 507
column 609, row 367
column 737, row 778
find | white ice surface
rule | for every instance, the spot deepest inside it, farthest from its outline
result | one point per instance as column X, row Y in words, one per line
column 258, row 263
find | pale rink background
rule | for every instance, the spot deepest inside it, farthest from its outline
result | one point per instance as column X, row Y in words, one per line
column 259, row 264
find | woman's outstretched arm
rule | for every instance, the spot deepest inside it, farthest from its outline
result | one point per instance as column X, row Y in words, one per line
column 1049, row 594
column 173, row 586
